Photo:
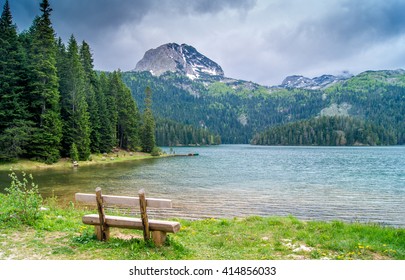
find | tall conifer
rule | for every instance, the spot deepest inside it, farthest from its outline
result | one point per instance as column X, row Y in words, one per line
column 128, row 116
column 14, row 125
column 91, row 85
column 43, row 86
column 76, row 119
column 148, row 126
column 107, row 129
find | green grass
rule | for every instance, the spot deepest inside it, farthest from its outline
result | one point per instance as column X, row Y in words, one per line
column 120, row 156
column 60, row 234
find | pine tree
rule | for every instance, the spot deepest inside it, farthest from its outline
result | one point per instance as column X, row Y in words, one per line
column 14, row 124
column 148, row 141
column 91, row 85
column 107, row 125
column 128, row 116
column 43, row 86
column 74, row 153
column 76, row 119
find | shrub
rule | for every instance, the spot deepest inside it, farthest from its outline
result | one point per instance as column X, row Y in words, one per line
column 22, row 201
column 156, row 151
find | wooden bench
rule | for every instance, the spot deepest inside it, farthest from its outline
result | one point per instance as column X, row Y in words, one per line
column 103, row 222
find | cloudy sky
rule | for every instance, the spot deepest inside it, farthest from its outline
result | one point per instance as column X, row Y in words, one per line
column 257, row 40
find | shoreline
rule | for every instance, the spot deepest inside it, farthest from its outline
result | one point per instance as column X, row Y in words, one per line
column 65, row 163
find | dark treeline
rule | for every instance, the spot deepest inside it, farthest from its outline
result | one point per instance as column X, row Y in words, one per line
column 52, row 102
column 327, row 131
column 170, row 133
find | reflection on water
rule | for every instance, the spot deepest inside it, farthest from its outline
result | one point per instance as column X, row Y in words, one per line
column 346, row 183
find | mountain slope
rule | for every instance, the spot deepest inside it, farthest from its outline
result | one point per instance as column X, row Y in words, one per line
column 183, row 59
column 237, row 112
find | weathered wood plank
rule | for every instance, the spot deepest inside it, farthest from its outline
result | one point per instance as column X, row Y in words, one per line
column 132, row 223
column 144, row 214
column 123, row 201
column 159, row 237
column 103, row 233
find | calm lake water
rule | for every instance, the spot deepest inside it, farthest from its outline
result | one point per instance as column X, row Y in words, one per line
column 364, row 184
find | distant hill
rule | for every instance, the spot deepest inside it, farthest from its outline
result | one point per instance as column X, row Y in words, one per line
column 199, row 94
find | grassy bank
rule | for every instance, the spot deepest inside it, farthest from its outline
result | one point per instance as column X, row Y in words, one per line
column 59, row 234
column 25, row 164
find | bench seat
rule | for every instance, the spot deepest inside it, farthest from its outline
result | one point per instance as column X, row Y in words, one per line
column 102, row 222
column 132, row 223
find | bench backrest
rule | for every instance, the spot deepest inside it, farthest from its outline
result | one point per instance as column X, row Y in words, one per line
column 123, row 201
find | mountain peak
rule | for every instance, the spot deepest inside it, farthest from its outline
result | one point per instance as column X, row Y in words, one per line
column 183, row 59
column 298, row 81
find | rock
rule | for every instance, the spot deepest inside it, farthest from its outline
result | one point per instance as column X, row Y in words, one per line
column 324, row 81
column 302, row 248
column 183, row 59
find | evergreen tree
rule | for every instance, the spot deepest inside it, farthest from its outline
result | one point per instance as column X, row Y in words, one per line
column 111, row 96
column 74, row 153
column 107, row 124
column 128, row 115
column 148, row 127
column 76, row 119
column 14, row 124
column 91, row 86
column 43, row 86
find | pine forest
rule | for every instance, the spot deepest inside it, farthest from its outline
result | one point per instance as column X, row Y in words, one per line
column 53, row 103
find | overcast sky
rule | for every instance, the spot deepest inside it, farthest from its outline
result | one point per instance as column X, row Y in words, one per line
column 256, row 40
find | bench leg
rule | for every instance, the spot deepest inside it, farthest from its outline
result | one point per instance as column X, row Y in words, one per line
column 99, row 233
column 159, row 237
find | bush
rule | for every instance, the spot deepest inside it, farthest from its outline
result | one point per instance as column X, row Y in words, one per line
column 156, row 151
column 22, row 201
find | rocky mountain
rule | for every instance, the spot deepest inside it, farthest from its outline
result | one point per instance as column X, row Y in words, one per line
column 324, row 81
column 182, row 59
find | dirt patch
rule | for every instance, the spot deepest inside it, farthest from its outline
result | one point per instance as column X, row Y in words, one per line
column 126, row 236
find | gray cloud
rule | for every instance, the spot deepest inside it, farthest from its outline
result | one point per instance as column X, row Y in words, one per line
column 344, row 31
column 257, row 40
column 359, row 23
column 95, row 17
column 209, row 6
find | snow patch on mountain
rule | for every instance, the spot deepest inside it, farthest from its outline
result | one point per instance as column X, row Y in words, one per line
column 324, row 81
column 183, row 59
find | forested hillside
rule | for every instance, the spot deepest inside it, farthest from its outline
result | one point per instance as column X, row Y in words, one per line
column 239, row 110
column 234, row 111
column 327, row 131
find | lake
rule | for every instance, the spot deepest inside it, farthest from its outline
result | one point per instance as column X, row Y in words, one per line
column 365, row 184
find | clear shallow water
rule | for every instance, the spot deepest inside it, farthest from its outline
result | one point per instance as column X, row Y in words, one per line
column 325, row 183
